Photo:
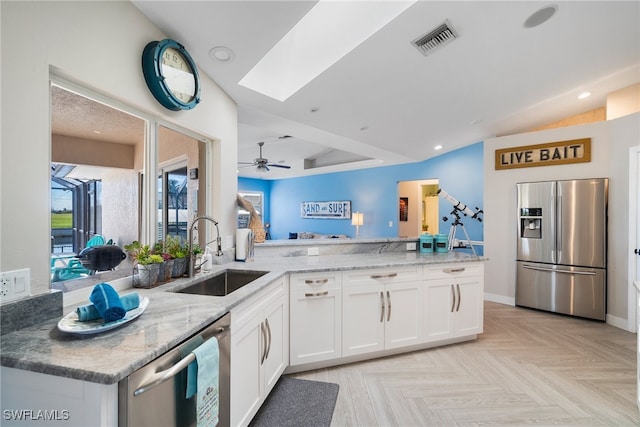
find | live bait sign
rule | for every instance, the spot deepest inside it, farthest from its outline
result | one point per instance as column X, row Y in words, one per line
column 335, row 210
column 553, row 153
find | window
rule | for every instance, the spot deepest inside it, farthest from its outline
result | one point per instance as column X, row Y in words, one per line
column 101, row 184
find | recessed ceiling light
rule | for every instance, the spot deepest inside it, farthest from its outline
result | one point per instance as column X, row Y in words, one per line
column 318, row 41
column 541, row 16
column 97, row 132
column 438, row 147
column 221, row 53
column 584, row 95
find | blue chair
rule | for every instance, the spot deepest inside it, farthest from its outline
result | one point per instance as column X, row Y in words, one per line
column 75, row 269
column 96, row 240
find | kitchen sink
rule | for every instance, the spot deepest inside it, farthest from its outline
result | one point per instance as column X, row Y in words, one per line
column 224, row 283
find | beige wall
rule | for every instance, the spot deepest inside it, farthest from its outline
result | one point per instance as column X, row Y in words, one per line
column 624, row 101
column 65, row 149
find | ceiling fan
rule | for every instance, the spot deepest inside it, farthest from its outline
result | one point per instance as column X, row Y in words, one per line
column 262, row 165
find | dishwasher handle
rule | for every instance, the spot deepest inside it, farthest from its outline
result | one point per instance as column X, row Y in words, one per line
column 167, row 374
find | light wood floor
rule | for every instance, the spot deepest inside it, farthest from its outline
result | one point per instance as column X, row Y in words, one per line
column 527, row 368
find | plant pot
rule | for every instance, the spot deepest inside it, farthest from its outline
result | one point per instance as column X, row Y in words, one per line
column 166, row 269
column 145, row 276
column 179, row 267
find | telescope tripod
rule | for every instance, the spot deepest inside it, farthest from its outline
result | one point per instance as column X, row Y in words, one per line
column 454, row 229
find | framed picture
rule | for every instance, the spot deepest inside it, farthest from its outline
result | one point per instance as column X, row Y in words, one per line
column 404, row 208
column 339, row 209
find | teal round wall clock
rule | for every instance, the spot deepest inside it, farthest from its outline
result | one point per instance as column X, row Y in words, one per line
column 171, row 75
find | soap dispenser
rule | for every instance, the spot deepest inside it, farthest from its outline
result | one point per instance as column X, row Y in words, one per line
column 207, row 261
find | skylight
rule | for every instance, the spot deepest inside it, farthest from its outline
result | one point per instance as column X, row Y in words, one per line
column 329, row 31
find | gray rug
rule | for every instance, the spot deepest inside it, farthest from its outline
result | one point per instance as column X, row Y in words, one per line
column 298, row 403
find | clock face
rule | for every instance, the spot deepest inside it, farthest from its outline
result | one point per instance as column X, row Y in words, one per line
column 178, row 74
column 171, row 75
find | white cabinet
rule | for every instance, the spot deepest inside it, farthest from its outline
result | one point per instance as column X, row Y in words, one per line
column 29, row 398
column 381, row 309
column 259, row 349
column 316, row 317
column 453, row 301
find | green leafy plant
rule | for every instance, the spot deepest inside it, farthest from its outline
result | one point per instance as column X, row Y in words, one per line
column 161, row 249
column 174, row 247
column 151, row 259
column 139, row 253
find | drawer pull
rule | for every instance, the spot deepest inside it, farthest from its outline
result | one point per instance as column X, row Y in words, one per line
column 384, row 276
column 316, row 294
column 315, row 281
column 454, row 270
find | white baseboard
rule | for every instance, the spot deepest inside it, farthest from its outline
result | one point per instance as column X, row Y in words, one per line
column 618, row 322
column 500, row 299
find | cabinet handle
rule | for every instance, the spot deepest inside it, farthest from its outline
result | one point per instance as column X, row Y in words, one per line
column 316, row 294
column 384, row 276
column 264, row 343
column 268, row 327
column 315, row 281
column 454, row 270
column 459, row 297
column 389, row 306
column 381, row 307
column 453, row 301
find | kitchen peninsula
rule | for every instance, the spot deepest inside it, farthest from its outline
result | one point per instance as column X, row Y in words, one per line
column 437, row 299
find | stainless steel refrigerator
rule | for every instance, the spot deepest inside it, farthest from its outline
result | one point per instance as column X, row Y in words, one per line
column 562, row 247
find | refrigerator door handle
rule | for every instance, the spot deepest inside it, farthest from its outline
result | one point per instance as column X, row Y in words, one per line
column 559, row 227
column 584, row 273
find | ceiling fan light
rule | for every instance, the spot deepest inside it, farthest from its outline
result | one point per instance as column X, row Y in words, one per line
column 262, row 169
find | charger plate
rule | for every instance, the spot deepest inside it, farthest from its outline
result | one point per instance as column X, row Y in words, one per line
column 72, row 325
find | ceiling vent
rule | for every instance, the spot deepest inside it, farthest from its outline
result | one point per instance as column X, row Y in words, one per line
column 429, row 42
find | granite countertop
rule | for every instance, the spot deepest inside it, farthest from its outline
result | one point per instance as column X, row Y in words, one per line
column 334, row 241
column 171, row 318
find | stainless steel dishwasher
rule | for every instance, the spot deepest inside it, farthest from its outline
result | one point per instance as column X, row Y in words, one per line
column 154, row 395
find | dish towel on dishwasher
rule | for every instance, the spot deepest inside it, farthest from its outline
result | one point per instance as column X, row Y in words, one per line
column 207, row 358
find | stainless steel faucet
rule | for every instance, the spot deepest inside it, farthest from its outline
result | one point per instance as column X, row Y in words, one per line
column 192, row 259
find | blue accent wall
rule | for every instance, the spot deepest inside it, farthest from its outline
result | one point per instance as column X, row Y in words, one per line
column 374, row 192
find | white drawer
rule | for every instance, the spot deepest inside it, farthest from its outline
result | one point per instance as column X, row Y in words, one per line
column 382, row 275
column 321, row 280
column 446, row 271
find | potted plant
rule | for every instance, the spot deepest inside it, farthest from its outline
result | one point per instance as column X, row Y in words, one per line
column 146, row 264
column 166, row 268
column 180, row 253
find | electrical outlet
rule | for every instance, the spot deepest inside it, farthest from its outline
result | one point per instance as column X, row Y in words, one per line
column 313, row 251
column 15, row 284
column 411, row 246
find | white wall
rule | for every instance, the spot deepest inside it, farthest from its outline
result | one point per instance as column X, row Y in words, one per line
column 610, row 142
column 97, row 45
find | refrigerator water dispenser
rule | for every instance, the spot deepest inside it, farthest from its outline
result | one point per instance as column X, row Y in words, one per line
column 531, row 223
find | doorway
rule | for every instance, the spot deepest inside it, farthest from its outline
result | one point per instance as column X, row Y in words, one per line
column 418, row 207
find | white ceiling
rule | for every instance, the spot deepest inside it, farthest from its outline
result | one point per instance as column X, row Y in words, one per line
column 386, row 101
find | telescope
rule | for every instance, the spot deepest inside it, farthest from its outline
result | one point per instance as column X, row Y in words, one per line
column 459, row 206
